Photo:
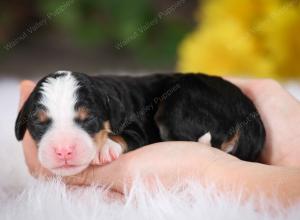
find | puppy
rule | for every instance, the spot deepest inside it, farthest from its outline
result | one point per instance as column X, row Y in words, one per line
column 75, row 118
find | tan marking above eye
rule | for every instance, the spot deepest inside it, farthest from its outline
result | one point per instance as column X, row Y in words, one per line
column 42, row 116
column 82, row 113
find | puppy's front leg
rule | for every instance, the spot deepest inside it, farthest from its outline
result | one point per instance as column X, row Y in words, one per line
column 110, row 147
column 110, row 151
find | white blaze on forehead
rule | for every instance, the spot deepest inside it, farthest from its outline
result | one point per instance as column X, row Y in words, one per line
column 59, row 97
column 63, row 71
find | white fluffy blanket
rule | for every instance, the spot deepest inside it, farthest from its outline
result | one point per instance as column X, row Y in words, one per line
column 22, row 197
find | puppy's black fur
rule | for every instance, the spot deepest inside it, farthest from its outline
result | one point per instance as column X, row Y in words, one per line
column 160, row 107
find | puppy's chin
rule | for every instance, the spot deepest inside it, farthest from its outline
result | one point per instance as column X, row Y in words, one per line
column 69, row 170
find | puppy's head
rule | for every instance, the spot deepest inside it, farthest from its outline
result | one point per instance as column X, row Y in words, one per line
column 63, row 115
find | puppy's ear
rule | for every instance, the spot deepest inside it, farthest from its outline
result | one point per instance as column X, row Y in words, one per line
column 21, row 122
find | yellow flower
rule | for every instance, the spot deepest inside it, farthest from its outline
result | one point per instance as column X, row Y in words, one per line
column 250, row 37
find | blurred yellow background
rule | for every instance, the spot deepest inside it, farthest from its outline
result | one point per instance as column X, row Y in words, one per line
column 252, row 37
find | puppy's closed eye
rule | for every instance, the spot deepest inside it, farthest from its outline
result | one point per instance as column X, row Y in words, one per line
column 42, row 116
column 87, row 120
column 82, row 113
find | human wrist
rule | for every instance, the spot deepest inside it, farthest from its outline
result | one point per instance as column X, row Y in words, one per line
column 207, row 164
column 248, row 179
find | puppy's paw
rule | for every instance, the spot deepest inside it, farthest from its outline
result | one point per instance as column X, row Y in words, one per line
column 205, row 139
column 109, row 152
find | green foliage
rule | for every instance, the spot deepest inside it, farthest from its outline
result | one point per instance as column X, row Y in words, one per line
column 132, row 25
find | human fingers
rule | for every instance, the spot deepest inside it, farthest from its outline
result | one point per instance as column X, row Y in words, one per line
column 26, row 87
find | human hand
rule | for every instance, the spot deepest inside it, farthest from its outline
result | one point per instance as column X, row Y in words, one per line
column 280, row 113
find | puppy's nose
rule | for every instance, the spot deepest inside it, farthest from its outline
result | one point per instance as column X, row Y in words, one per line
column 65, row 153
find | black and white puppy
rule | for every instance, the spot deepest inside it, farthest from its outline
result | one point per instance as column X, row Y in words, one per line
column 76, row 118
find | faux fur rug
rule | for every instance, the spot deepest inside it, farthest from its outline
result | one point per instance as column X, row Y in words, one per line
column 22, row 197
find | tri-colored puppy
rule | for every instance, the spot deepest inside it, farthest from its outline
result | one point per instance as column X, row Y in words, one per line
column 76, row 118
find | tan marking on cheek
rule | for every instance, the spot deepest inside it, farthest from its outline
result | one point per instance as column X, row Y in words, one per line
column 42, row 116
column 82, row 113
column 230, row 145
